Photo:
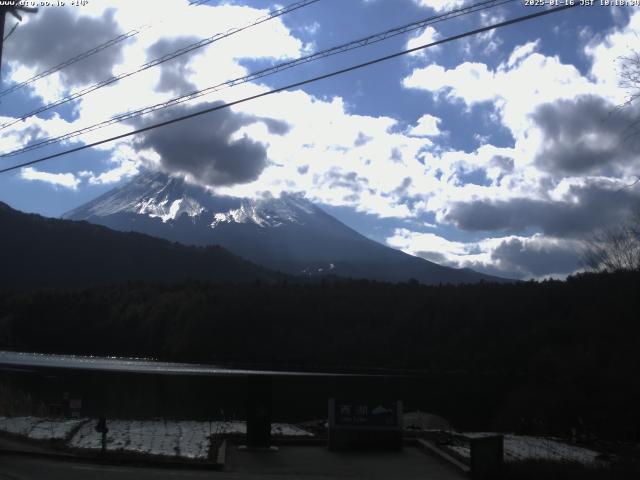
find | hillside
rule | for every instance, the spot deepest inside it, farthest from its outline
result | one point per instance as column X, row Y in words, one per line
column 43, row 252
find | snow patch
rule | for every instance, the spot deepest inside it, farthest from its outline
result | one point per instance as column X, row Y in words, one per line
column 523, row 447
column 270, row 212
column 39, row 428
column 169, row 210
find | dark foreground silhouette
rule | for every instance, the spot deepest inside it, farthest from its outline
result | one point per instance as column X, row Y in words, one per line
column 531, row 357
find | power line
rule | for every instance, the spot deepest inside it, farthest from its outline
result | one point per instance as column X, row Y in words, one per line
column 297, row 84
column 359, row 43
column 13, row 29
column 165, row 58
column 71, row 61
column 81, row 56
column 15, row 10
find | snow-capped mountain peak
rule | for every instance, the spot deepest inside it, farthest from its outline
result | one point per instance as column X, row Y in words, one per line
column 287, row 233
column 268, row 212
column 156, row 195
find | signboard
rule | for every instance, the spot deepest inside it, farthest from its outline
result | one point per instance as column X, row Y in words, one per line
column 366, row 414
column 365, row 424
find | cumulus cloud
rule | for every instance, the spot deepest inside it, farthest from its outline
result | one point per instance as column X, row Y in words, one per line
column 55, row 34
column 67, row 180
column 582, row 209
column 586, row 135
column 206, row 149
column 507, row 88
column 441, row 5
column 536, row 256
column 427, row 126
column 425, row 37
column 295, row 141
column 174, row 73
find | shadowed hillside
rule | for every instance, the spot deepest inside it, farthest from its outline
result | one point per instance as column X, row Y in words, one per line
column 44, row 252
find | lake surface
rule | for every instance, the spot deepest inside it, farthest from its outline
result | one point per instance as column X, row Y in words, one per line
column 12, row 360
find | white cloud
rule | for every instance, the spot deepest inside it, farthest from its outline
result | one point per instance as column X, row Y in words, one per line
column 67, row 180
column 425, row 37
column 334, row 156
column 508, row 87
column 427, row 126
column 125, row 165
column 175, row 20
column 441, row 5
column 607, row 55
column 521, row 52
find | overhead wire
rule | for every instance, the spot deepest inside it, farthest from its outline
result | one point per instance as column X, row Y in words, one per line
column 354, row 44
column 13, row 29
column 157, row 61
column 297, row 84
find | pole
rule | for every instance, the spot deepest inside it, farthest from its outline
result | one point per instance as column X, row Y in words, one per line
column 4, row 9
column 3, row 14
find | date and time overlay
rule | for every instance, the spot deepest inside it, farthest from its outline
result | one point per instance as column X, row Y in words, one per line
column 526, row 3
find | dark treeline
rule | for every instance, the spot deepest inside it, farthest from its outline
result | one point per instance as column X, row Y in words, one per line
column 553, row 353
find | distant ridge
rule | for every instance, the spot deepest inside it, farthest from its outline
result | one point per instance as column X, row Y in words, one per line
column 43, row 252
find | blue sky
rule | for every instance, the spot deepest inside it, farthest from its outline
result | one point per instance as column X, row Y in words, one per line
column 499, row 152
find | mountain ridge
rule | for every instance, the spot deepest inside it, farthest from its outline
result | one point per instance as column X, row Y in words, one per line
column 288, row 233
column 40, row 252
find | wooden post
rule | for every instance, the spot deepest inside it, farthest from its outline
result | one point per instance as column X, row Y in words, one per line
column 13, row 10
column 3, row 16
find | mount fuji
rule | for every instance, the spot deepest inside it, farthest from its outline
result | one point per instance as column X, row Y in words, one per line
column 289, row 233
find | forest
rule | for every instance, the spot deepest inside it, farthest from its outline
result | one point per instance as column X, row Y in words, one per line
column 556, row 353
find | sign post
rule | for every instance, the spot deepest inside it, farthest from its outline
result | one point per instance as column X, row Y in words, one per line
column 365, row 424
column 487, row 457
column 102, row 428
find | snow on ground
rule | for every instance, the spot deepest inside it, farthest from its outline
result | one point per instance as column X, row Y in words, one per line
column 39, row 428
column 186, row 439
column 523, row 447
column 157, row 437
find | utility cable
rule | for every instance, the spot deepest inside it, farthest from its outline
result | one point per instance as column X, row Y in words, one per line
column 157, row 61
column 80, row 56
column 359, row 43
column 296, row 84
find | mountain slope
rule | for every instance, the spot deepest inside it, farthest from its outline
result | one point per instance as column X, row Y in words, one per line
column 44, row 252
column 288, row 233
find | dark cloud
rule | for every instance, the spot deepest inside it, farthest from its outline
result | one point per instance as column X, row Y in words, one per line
column 586, row 135
column 276, row 127
column 535, row 258
column 203, row 147
column 173, row 73
column 522, row 259
column 597, row 205
column 55, row 34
